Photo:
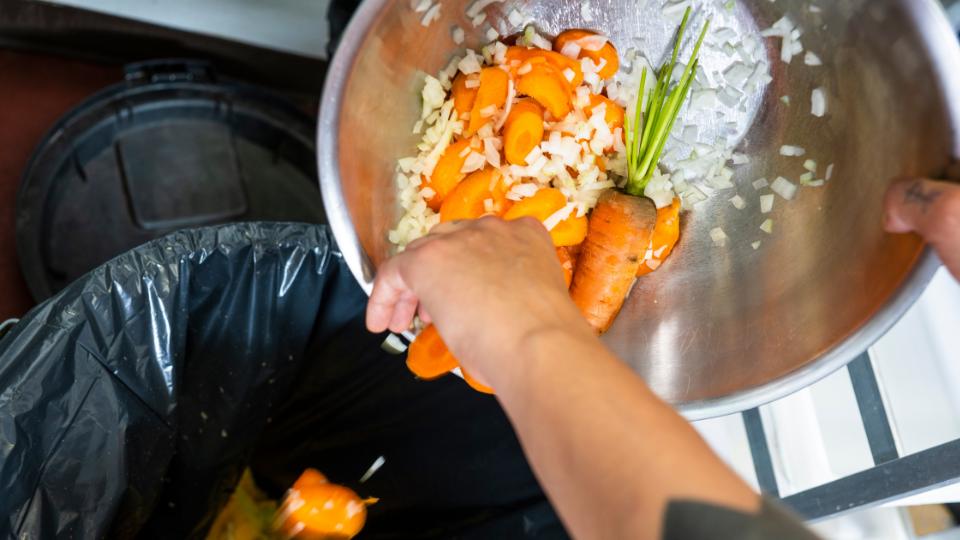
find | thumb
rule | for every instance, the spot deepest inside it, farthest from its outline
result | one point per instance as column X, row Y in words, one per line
column 932, row 210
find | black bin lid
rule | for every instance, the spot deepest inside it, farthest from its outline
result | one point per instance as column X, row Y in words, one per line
column 169, row 148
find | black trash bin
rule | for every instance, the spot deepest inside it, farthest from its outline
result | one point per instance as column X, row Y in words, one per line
column 131, row 401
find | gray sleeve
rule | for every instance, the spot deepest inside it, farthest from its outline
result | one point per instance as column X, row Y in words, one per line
column 691, row 520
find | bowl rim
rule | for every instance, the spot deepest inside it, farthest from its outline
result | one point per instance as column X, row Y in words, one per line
column 944, row 50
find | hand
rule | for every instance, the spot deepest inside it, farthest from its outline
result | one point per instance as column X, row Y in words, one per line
column 930, row 209
column 486, row 284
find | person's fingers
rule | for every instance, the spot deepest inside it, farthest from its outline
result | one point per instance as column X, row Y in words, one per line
column 424, row 315
column 927, row 207
column 930, row 209
column 388, row 289
column 403, row 312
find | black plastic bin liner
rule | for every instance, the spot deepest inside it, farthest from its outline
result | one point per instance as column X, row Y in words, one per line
column 131, row 401
column 161, row 366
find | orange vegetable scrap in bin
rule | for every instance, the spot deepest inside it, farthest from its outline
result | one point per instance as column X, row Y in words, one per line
column 428, row 356
column 316, row 509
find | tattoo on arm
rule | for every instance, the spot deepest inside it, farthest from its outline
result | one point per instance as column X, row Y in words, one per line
column 917, row 195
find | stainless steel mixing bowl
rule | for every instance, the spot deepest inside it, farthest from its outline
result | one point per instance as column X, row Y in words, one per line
column 717, row 329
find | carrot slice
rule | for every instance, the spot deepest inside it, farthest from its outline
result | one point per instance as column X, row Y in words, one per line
column 428, row 356
column 466, row 201
column 566, row 263
column 522, row 131
column 608, row 52
column 463, row 97
column 545, row 84
column 665, row 237
column 517, row 57
column 570, row 232
column 446, row 174
column 541, row 205
column 492, row 93
column 475, row 384
column 620, row 230
column 614, row 114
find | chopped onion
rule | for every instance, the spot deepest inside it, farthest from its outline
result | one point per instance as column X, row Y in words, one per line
column 810, row 165
column 785, row 100
column 784, row 188
column 492, row 34
column 767, row 226
column 458, row 35
column 515, row 18
column 738, row 202
column 571, row 50
column 474, row 162
column 792, row 151
column 478, row 20
column 427, row 193
column 472, row 82
column 740, row 159
column 719, row 237
column 812, row 59
column 766, row 204
column 479, row 5
column 829, row 173
column 488, row 206
column 431, row 15
column 585, row 12
column 760, row 184
column 806, row 178
column 470, row 63
column 818, row 102
column 756, row 245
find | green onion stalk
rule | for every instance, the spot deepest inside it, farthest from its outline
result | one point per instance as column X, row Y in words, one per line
column 647, row 132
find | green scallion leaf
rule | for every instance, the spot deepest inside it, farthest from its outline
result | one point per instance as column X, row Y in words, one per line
column 648, row 132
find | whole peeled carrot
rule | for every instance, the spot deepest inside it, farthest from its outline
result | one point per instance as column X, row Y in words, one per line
column 619, row 232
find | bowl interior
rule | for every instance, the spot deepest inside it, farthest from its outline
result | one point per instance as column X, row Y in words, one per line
column 715, row 322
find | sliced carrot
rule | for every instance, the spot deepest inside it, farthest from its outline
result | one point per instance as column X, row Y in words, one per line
column 665, row 236
column 466, row 201
column 614, row 114
column 494, row 86
column 463, row 97
column 620, row 230
column 541, row 205
column 566, row 263
column 428, row 356
column 446, row 174
column 545, row 84
column 475, row 384
column 608, row 52
column 522, row 131
column 517, row 57
column 570, row 232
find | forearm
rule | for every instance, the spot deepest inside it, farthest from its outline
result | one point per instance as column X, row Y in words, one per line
column 609, row 453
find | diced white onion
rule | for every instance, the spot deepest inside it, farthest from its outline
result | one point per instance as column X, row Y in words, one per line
column 812, row 59
column 479, row 5
column 784, row 188
column 760, row 183
column 472, row 83
column 492, row 34
column 515, row 18
column 431, row 15
column 719, row 237
column 458, row 35
column 766, row 203
column 570, row 49
column 792, row 151
column 818, row 102
column 585, row 12
column 829, row 173
column 738, row 202
column 756, row 245
column 767, row 226
column 810, row 165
